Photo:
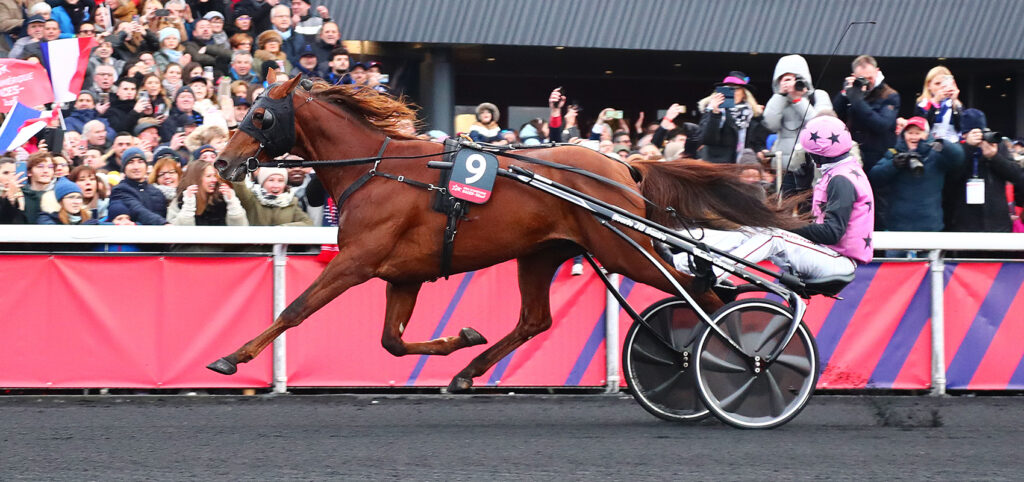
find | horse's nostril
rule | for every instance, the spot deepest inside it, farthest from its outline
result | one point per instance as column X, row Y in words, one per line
column 220, row 164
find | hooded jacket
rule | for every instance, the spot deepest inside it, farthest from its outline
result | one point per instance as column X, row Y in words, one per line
column 783, row 116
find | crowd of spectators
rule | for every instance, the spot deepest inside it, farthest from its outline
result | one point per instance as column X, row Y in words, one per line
column 167, row 82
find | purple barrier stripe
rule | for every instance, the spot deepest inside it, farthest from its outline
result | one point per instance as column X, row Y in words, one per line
column 595, row 340
column 842, row 312
column 985, row 325
column 1017, row 380
column 441, row 324
column 907, row 332
column 499, row 369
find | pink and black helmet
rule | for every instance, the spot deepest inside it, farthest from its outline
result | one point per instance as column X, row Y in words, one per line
column 826, row 136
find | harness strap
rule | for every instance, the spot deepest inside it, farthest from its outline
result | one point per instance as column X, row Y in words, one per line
column 362, row 179
column 450, row 229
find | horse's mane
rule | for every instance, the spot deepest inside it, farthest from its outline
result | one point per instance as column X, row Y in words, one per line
column 379, row 110
column 710, row 195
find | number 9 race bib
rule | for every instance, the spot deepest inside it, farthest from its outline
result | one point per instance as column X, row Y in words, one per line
column 473, row 176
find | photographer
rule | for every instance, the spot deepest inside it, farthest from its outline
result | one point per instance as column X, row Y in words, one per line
column 726, row 122
column 913, row 174
column 975, row 196
column 869, row 107
column 795, row 102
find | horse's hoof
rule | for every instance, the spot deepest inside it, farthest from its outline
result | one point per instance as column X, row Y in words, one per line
column 472, row 337
column 460, row 385
column 223, row 366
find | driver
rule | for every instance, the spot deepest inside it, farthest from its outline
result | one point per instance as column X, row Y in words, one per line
column 843, row 209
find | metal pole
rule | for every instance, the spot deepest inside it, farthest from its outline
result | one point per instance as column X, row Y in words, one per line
column 937, row 268
column 280, row 353
column 611, row 339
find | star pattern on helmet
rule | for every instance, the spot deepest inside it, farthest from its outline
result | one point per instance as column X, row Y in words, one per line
column 814, row 137
column 867, row 242
column 834, row 138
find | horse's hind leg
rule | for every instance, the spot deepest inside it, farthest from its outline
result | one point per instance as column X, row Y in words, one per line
column 401, row 300
column 535, row 274
column 343, row 272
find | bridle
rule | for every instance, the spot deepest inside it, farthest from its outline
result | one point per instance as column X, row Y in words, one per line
column 276, row 132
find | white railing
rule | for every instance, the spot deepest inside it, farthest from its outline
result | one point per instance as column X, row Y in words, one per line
column 280, row 237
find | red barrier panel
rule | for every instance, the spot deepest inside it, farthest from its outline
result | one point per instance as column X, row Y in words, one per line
column 132, row 322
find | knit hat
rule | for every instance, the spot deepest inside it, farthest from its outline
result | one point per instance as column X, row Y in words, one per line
column 169, row 32
column 495, row 115
column 165, row 151
column 183, row 90
column 203, row 148
column 117, row 208
column 63, row 187
column 266, row 172
column 268, row 36
column 972, row 119
column 132, row 153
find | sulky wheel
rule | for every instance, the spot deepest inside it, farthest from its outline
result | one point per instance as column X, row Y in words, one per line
column 746, row 390
column 661, row 377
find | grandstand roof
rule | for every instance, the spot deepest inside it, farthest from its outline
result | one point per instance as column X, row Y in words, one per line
column 906, row 28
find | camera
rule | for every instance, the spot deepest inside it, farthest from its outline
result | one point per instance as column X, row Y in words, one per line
column 859, row 82
column 990, row 136
column 912, row 160
column 799, row 85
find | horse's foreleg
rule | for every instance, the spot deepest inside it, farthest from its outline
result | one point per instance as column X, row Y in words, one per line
column 401, row 300
column 535, row 274
column 342, row 273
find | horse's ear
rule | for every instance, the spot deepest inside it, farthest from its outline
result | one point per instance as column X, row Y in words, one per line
column 290, row 85
column 271, row 76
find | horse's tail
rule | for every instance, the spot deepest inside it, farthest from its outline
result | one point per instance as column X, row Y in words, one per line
column 709, row 195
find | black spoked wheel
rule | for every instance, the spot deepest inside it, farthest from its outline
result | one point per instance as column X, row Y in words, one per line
column 661, row 377
column 743, row 389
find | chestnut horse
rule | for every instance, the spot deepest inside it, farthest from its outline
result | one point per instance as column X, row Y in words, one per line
column 387, row 229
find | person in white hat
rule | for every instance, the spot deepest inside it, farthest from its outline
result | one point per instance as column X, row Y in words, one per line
column 270, row 202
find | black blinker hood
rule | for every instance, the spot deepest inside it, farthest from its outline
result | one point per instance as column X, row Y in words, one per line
column 279, row 137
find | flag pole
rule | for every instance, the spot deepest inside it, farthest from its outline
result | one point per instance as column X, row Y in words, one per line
column 7, row 119
column 60, row 115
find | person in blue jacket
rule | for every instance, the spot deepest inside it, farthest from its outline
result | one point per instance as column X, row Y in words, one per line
column 145, row 202
column 870, row 108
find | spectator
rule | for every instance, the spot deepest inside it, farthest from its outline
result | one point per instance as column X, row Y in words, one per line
column 269, row 49
column 205, row 153
column 33, row 35
column 155, row 94
column 181, row 116
column 374, row 77
column 125, row 110
column 241, row 68
column 308, row 65
column 145, row 202
column 203, row 49
column 74, row 146
column 869, row 107
column 975, row 195
column 171, row 51
column 252, row 16
column 204, row 9
column 133, row 40
column 39, row 190
column 219, row 37
column 147, row 131
column 94, row 191
column 534, row 133
column 172, row 80
column 326, row 43
column 725, row 129
column 166, row 175
column 485, row 129
column 913, row 174
column 12, row 200
column 240, row 42
column 213, row 136
column 242, row 24
column 51, row 32
column 61, row 167
column 86, row 110
column 795, row 102
column 103, row 69
column 77, row 11
column 94, row 159
column 269, row 202
column 304, row 23
column 241, row 107
column 357, row 72
column 121, row 143
column 337, row 68
column 206, row 104
column 204, row 199
column 281, row 23
column 939, row 103
column 69, row 196
column 96, row 133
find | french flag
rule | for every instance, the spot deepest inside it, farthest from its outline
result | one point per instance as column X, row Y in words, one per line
column 66, row 60
column 22, row 123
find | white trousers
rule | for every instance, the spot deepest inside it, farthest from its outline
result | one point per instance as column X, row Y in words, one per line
column 790, row 252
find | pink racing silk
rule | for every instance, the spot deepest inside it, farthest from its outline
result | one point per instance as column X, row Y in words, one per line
column 856, row 243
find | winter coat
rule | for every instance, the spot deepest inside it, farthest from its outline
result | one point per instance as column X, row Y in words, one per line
column 37, row 202
column 182, row 212
column 871, row 119
column 994, row 215
column 76, row 120
column 257, row 9
column 11, row 17
column 54, row 218
column 121, row 115
column 262, row 215
column 720, row 134
column 481, row 133
column 145, row 202
column 79, row 13
column 215, row 55
column 914, row 203
column 783, row 116
column 9, row 212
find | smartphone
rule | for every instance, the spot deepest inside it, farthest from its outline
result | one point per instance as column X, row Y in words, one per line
column 162, row 12
column 384, row 78
column 729, row 93
column 135, row 18
column 104, row 97
column 21, row 167
column 144, row 96
column 208, row 73
column 614, row 114
column 179, row 130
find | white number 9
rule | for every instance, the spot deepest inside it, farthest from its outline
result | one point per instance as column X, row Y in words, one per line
column 476, row 165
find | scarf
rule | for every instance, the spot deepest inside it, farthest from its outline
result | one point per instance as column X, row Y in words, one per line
column 279, row 201
column 172, row 55
column 74, row 218
column 168, row 191
column 171, row 87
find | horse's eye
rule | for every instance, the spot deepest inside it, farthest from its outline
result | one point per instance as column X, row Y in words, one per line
column 268, row 120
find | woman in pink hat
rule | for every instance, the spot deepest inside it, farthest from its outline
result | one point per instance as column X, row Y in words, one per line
column 725, row 123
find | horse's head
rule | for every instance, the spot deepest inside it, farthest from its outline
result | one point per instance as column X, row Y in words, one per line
column 267, row 131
